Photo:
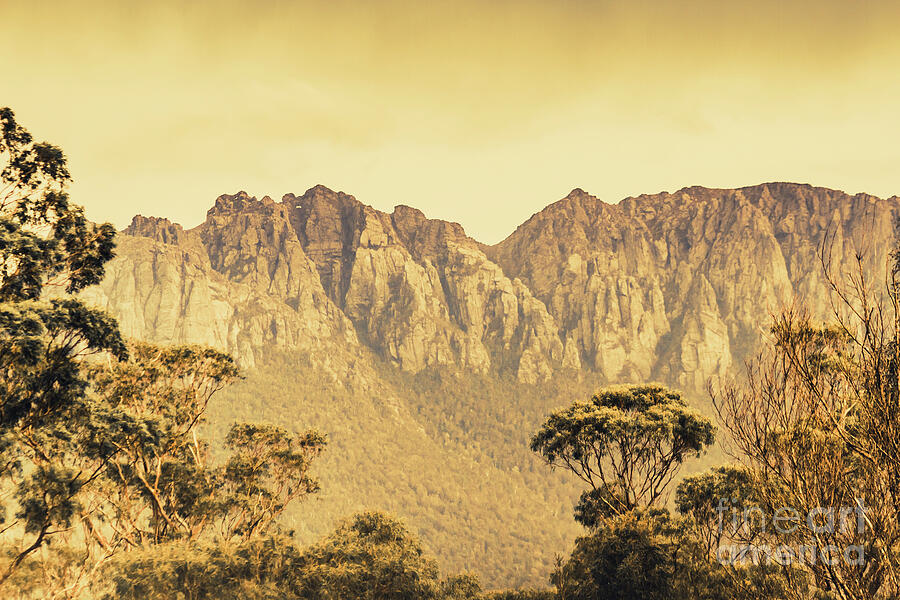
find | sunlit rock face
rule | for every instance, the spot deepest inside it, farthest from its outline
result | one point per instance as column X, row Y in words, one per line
column 672, row 287
column 680, row 287
column 323, row 268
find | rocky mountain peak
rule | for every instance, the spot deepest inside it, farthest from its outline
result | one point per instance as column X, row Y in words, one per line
column 242, row 202
column 576, row 211
column 668, row 286
column 580, row 194
column 319, row 195
column 408, row 214
column 424, row 236
column 320, row 190
column 156, row 228
column 419, row 290
column 696, row 271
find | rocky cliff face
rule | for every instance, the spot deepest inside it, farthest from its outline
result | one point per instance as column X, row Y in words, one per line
column 323, row 268
column 672, row 287
column 234, row 283
column 420, row 292
column 679, row 287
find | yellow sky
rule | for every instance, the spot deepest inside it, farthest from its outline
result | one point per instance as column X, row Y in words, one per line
column 480, row 112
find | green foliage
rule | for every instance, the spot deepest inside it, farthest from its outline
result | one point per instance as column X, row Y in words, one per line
column 157, row 483
column 44, row 574
column 126, row 470
column 522, row 595
column 703, row 499
column 448, row 453
column 627, row 443
column 649, row 555
column 697, row 494
column 268, row 469
column 44, row 344
column 369, row 557
column 44, row 241
column 461, row 587
column 42, row 235
column 631, row 557
column 262, row 568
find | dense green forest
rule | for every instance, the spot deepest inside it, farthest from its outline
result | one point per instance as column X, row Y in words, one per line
column 131, row 470
column 483, row 425
column 458, row 448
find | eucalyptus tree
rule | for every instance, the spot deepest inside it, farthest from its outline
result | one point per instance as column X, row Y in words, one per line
column 626, row 443
column 816, row 424
column 45, row 243
column 160, row 481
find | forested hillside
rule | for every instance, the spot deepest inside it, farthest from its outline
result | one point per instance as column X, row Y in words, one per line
column 448, row 453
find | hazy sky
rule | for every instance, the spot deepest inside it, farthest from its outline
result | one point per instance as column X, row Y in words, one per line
column 481, row 111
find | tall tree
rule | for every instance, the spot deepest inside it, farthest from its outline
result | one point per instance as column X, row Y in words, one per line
column 45, row 241
column 627, row 443
column 815, row 424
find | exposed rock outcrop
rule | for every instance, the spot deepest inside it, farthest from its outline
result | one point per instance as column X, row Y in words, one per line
column 232, row 283
column 417, row 291
column 675, row 287
column 679, row 287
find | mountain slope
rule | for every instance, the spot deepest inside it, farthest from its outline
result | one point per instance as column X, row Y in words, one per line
column 291, row 288
column 429, row 358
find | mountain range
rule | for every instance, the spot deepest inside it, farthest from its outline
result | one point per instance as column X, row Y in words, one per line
column 429, row 358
